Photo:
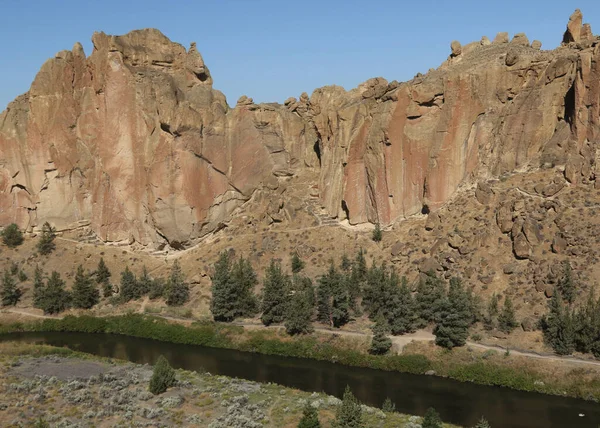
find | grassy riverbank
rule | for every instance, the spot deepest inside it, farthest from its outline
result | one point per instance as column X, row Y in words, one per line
column 487, row 368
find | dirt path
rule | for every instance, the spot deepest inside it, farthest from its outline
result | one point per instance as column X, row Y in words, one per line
column 29, row 313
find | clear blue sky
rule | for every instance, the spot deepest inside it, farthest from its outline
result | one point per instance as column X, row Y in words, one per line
column 270, row 50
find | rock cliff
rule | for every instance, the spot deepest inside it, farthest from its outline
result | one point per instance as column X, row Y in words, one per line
column 134, row 142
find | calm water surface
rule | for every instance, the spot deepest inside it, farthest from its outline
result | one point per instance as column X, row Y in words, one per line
column 457, row 402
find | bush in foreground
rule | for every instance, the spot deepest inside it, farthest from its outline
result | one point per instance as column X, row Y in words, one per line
column 163, row 376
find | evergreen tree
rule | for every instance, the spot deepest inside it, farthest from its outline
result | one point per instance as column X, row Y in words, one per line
column 46, row 243
column 483, row 423
column 349, row 413
column 507, row 321
column 558, row 328
column 324, row 301
column 276, row 287
column 492, row 313
column 388, row 406
column 223, row 304
column 85, row 294
column 297, row 264
column 144, row 282
column 129, row 286
column 54, row 297
column 244, row 280
column 380, row 343
column 157, row 288
column 12, row 236
column 377, row 235
column 333, row 300
column 452, row 328
column 340, row 304
column 431, row 419
column 360, row 265
column 303, row 284
column 402, row 316
column 38, row 287
column 10, row 293
column 345, row 263
column 429, row 299
column 587, row 325
column 298, row 314
column 566, row 285
column 103, row 278
column 178, row 291
column 375, row 290
column 163, row 376
column 310, row 417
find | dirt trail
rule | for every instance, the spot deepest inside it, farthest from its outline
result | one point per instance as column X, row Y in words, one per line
column 398, row 342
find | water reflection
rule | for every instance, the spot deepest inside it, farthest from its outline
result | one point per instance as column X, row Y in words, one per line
column 461, row 403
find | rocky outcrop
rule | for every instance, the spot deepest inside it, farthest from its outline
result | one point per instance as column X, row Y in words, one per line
column 135, row 139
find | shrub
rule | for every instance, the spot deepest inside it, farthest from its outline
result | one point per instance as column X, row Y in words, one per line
column 12, row 236
column 377, row 234
column 163, row 376
column 310, row 417
column 46, row 243
column 431, row 419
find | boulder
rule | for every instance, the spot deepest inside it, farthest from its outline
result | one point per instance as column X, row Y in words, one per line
column 501, row 37
column 456, row 48
column 484, row 193
column 485, row 41
column 536, row 44
column 574, row 27
column 528, row 324
column 559, row 244
column 521, row 247
column 433, row 221
column 520, row 39
column 430, row 265
column 512, row 57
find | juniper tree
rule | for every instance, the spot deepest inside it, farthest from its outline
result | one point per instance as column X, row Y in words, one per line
column 46, row 243
column 128, row 286
column 558, row 326
column 374, row 293
column 587, row 325
column 490, row 319
column 297, row 263
column 333, row 301
column 431, row 419
column 388, row 406
column 244, row 280
column 299, row 313
column 324, row 301
column 377, row 235
column 144, row 282
column 507, row 321
column 85, row 294
column 566, row 284
column 349, row 413
column 429, row 298
column 401, row 313
column 380, row 343
column 178, row 291
column 303, row 284
column 38, row 287
column 455, row 317
column 223, row 304
column 483, row 423
column 12, row 236
column 157, row 288
column 54, row 298
column 103, row 278
column 310, row 417
column 340, row 304
column 10, row 293
column 276, row 287
column 163, row 376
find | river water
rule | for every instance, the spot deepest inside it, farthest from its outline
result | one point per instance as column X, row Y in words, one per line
column 457, row 402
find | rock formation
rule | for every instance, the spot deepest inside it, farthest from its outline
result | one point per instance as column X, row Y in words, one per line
column 134, row 141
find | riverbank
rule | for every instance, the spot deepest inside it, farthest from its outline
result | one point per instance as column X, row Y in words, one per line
column 65, row 388
column 463, row 364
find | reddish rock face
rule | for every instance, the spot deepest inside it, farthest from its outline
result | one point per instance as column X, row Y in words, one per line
column 135, row 140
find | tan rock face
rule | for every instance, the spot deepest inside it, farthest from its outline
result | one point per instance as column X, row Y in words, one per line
column 135, row 139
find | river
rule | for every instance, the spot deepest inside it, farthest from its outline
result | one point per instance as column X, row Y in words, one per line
column 457, row 402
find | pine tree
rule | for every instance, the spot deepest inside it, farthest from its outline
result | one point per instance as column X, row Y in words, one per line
column 304, row 285
column 276, row 287
column 12, row 236
column 587, row 324
column 566, row 285
column 223, row 304
column 374, row 293
column 558, row 328
column 333, row 301
column 431, row 419
column 103, row 278
column 310, row 417
column 388, row 406
column 349, row 413
column 340, row 304
column 483, row 423
column 144, row 282
column 429, row 299
column 244, row 281
column 38, row 287
column 85, row 294
column 163, row 376
column 299, row 313
column 128, row 286
column 452, row 328
column 46, row 243
column 324, row 301
column 507, row 321
column 377, row 235
column 492, row 313
column 360, row 265
column 10, row 293
column 380, row 343
column 345, row 263
column 297, row 263
column 402, row 316
column 55, row 298
column 178, row 291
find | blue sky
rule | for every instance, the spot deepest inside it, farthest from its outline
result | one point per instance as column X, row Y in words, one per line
column 270, row 50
